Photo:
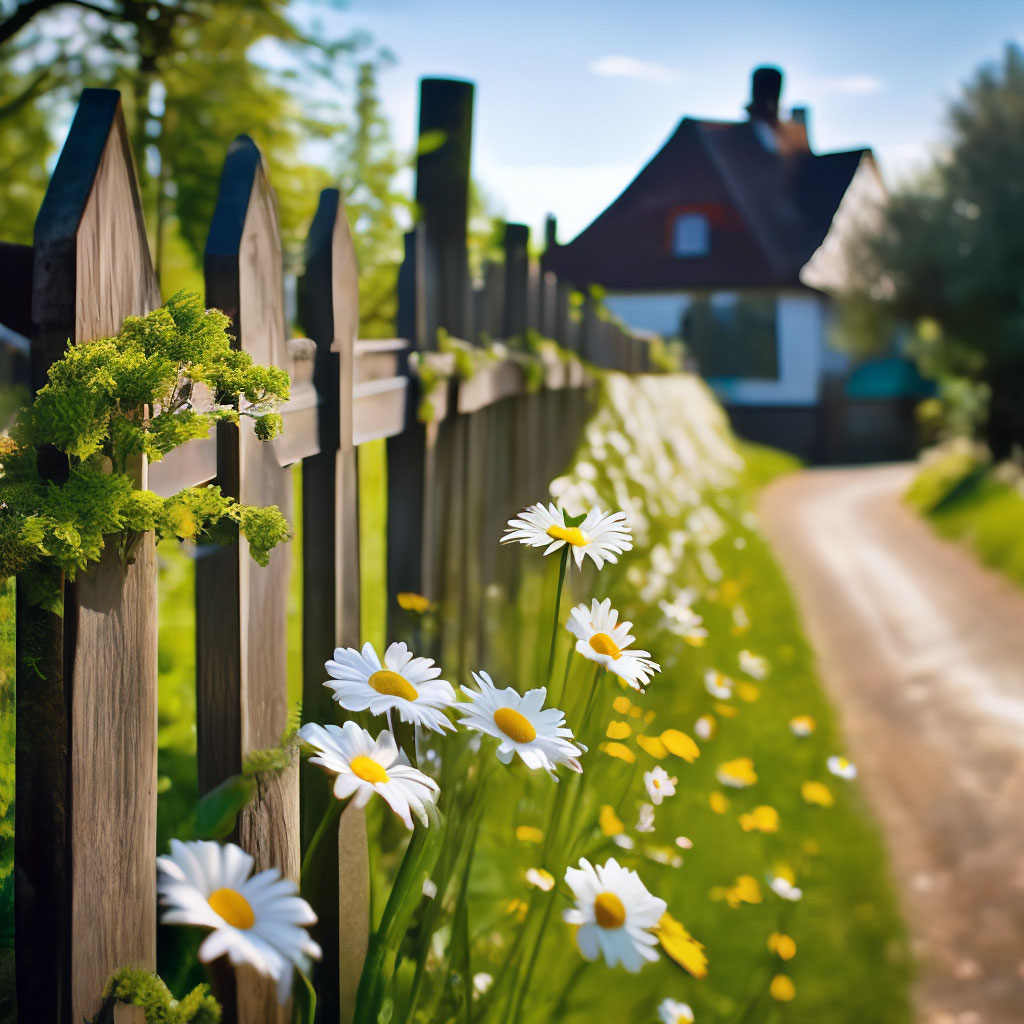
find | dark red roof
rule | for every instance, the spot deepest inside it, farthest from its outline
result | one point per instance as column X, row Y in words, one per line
column 768, row 210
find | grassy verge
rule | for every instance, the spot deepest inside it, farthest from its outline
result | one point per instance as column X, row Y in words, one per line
column 667, row 458
column 851, row 963
column 967, row 500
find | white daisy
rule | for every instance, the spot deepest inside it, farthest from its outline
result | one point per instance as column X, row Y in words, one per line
column 718, row 685
column 753, row 664
column 840, row 766
column 602, row 535
column 704, row 727
column 802, row 725
column 783, row 886
column 659, row 784
column 684, row 842
column 645, row 823
column 683, row 620
column 623, row 841
column 543, row 880
column 404, row 682
column 365, row 766
column 602, row 638
column 615, row 914
column 255, row 919
column 671, row 1011
column 521, row 724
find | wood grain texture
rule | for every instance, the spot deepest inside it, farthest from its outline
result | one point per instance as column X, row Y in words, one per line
column 91, row 269
column 112, row 831
column 125, row 1013
column 329, row 309
column 241, row 608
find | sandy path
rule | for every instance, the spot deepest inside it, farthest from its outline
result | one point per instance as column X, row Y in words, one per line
column 923, row 653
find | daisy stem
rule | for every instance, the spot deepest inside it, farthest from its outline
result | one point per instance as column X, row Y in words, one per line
column 328, row 823
column 558, row 601
column 557, row 703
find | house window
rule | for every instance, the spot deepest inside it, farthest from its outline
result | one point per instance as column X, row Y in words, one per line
column 691, row 235
column 733, row 336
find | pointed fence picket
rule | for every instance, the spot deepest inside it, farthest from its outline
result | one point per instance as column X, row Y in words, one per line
column 461, row 459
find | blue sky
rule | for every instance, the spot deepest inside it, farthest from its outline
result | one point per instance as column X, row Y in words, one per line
column 573, row 97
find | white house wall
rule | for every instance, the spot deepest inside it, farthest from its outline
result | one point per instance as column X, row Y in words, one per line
column 800, row 334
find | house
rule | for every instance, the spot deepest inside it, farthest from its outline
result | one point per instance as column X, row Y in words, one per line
column 731, row 238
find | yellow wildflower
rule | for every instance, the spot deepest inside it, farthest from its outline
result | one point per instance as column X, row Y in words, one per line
column 726, row 710
column 610, row 822
column 680, row 744
column 748, row 692
column 619, row 750
column 782, row 989
column 738, row 773
column 653, row 746
column 719, row 802
column 681, row 946
column 761, row 819
column 817, row 793
column 412, row 602
column 529, row 834
column 622, row 704
column 782, row 945
column 619, row 730
column 744, row 890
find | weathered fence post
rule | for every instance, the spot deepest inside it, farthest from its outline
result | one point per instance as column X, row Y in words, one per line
column 241, row 609
column 85, row 836
column 329, row 309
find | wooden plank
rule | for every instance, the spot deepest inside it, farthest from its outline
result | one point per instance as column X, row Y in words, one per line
column 379, row 358
column 490, row 384
column 86, row 808
column 379, row 408
column 515, row 315
column 442, row 190
column 492, row 304
column 329, row 307
column 241, row 608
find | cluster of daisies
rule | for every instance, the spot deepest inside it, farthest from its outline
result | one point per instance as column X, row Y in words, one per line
column 261, row 920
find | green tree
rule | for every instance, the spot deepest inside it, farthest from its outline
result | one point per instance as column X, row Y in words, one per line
column 193, row 74
column 948, row 257
column 378, row 213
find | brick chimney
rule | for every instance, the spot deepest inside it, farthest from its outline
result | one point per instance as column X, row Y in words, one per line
column 765, row 87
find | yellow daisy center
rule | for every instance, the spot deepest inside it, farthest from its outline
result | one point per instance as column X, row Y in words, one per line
column 604, row 644
column 570, row 534
column 368, row 770
column 233, row 907
column 515, row 725
column 609, row 911
column 391, row 683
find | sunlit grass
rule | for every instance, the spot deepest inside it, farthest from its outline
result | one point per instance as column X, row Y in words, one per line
column 967, row 501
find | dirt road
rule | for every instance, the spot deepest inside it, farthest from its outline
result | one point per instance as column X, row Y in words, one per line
column 923, row 653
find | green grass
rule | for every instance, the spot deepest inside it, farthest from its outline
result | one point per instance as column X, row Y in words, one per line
column 966, row 501
column 852, row 963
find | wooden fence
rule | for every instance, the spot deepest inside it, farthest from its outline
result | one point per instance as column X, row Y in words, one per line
column 461, row 460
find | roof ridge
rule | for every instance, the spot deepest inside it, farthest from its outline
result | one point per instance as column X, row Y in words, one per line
column 741, row 201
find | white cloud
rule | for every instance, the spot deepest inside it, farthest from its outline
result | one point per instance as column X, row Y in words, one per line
column 617, row 66
column 851, row 85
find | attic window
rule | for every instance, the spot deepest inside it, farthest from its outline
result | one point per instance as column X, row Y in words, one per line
column 691, row 235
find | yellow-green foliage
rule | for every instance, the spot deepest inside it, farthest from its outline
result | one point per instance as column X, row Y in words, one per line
column 966, row 500
column 660, row 449
column 64, row 480
column 141, row 988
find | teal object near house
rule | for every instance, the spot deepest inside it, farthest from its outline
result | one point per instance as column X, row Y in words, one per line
column 888, row 378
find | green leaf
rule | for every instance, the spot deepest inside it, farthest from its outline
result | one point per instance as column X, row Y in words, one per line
column 573, row 520
column 217, row 811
